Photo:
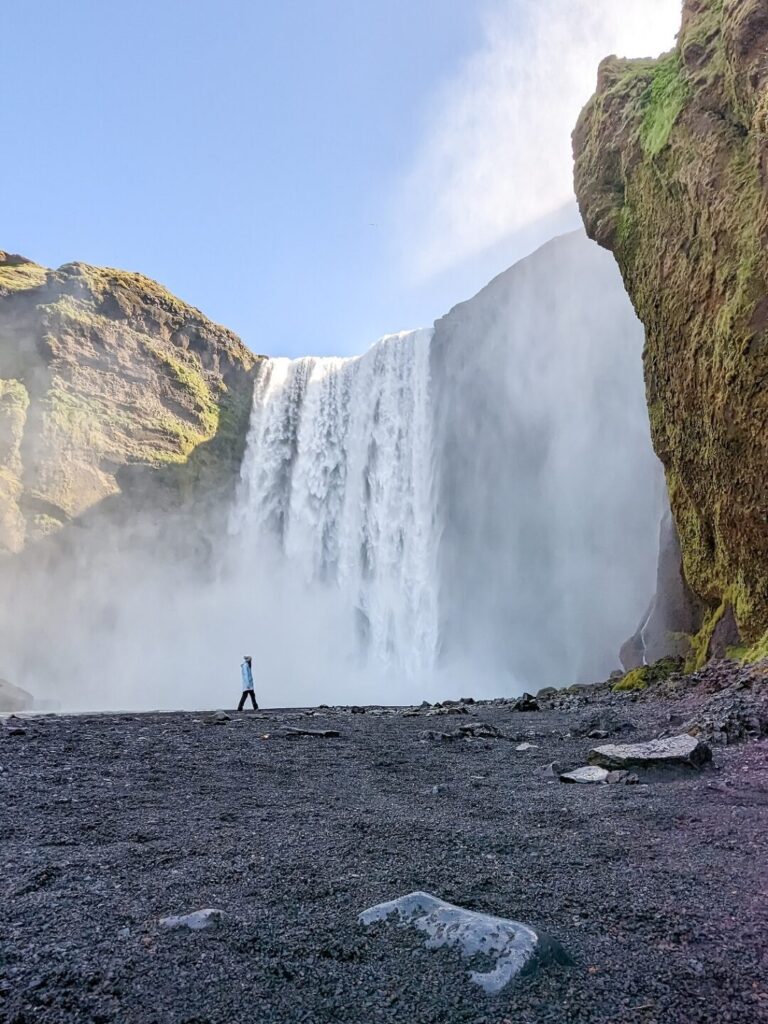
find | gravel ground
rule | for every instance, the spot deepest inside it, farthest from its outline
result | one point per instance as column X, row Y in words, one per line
column 658, row 891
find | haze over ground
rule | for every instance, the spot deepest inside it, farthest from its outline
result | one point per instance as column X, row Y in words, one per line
column 312, row 174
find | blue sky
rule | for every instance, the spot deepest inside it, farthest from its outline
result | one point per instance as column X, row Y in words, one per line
column 312, row 173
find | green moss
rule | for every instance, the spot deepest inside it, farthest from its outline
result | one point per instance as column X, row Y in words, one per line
column 189, row 375
column 648, row 675
column 748, row 655
column 69, row 308
column 663, row 103
column 21, row 277
column 637, row 679
column 700, row 641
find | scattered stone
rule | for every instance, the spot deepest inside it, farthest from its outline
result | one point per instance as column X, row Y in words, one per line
column 546, row 692
column 432, row 734
column 218, row 718
column 16, row 730
column 734, row 714
column 292, row 734
column 481, row 731
column 356, row 710
column 467, row 700
column 197, row 921
column 549, row 771
column 526, row 702
column 598, row 734
column 617, row 776
column 683, row 750
column 527, row 746
column 451, row 709
column 585, row 775
column 514, row 947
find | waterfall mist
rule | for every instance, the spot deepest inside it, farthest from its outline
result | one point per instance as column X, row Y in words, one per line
column 472, row 510
column 550, row 490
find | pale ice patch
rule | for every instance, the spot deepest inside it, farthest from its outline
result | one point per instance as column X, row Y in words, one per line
column 515, row 947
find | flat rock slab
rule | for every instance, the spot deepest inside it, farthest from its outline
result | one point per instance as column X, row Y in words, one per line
column 323, row 734
column 586, row 775
column 513, row 947
column 672, row 751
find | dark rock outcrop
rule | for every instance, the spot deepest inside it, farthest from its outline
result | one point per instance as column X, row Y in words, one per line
column 671, row 174
column 674, row 613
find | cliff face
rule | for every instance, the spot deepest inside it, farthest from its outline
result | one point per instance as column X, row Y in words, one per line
column 671, row 174
column 107, row 380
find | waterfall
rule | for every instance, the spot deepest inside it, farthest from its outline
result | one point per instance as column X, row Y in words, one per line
column 337, row 479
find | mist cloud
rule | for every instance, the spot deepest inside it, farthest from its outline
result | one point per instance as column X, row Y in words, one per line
column 496, row 154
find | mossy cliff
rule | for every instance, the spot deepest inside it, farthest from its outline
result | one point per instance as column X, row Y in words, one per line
column 107, row 379
column 671, row 174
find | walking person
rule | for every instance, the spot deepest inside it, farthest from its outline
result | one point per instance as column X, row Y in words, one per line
column 247, row 676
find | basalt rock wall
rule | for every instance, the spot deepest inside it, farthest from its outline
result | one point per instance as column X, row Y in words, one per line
column 671, row 172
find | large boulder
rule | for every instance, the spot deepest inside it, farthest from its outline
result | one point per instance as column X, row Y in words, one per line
column 673, row 751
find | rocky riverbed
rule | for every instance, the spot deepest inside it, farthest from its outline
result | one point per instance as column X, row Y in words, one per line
column 657, row 890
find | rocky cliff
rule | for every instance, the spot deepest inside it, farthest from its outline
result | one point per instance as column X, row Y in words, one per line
column 109, row 385
column 671, row 168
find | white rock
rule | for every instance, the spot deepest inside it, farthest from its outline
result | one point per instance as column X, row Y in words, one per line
column 196, row 921
column 515, row 947
column 527, row 746
column 585, row 775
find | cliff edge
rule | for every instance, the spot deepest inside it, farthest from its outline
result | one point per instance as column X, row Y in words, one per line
column 105, row 378
column 671, row 167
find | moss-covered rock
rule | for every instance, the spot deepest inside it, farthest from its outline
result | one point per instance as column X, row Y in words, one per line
column 105, row 374
column 648, row 675
column 671, row 174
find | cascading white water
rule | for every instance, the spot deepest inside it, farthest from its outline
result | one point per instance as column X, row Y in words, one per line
column 338, row 478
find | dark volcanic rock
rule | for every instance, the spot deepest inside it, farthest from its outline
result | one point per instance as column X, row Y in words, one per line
column 673, row 751
column 113, row 822
column 527, row 702
column 291, row 733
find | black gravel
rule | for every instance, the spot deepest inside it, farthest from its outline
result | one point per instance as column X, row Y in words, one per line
column 659, row 891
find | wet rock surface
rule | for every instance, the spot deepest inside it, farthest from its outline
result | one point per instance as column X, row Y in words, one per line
column 110, row 823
